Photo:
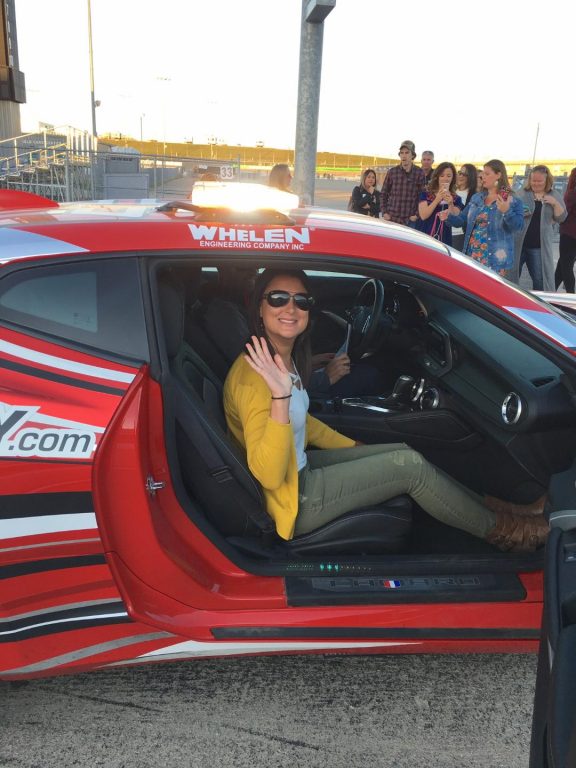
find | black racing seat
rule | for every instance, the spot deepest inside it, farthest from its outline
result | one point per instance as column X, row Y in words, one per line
column 214, row 472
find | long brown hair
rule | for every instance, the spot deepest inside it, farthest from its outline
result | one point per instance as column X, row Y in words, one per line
column 363, row 177
column 498, row 166
column 434, row 184
column 571, row 181
column 301, row 353
column 472, row 178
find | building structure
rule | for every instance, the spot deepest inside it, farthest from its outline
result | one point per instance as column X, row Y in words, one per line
column 12, row 84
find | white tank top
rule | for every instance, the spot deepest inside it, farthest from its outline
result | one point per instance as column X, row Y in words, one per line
column 299, row 403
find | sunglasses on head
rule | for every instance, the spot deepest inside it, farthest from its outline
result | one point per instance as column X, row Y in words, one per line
column 462, row 173
column 276, row 299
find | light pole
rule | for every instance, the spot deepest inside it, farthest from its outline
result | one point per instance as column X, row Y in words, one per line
column 535, row 144
column 142, row 116
column 93, row 102
column 311, row 38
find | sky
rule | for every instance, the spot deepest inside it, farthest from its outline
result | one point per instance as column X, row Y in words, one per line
column 468, row 80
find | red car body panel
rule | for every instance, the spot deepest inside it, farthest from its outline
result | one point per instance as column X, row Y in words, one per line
column 120, row 576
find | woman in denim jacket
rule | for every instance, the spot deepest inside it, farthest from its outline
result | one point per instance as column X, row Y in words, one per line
column 491, row 218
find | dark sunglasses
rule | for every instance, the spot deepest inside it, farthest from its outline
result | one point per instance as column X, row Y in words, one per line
column 276, row 299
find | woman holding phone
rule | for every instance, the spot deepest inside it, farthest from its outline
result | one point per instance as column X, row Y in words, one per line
column 491, row 218
column 435, row 201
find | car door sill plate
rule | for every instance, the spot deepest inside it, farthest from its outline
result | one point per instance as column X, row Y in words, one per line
column 437, row 588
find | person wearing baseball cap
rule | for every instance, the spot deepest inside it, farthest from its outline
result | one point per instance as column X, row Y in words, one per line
column 402, row 187
column 409, row 145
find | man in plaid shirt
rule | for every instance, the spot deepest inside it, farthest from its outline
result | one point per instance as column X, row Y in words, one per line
column 402, row 187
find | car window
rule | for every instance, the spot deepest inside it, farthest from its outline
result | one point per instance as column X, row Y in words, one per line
column 97, row 303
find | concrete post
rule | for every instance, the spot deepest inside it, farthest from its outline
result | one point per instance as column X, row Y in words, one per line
column 311, row 39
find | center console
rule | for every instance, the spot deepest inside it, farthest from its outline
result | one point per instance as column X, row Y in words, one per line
column 409, row 394
column 415, row 411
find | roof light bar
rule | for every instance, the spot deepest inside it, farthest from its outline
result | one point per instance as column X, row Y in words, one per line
column 242, row 197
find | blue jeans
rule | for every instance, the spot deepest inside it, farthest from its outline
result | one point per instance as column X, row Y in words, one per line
column 532, row 257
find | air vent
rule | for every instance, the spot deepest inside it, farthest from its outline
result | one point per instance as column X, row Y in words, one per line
column 542, row 381
column 511, row 409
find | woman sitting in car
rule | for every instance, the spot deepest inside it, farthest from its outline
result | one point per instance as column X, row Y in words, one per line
column 266, row 406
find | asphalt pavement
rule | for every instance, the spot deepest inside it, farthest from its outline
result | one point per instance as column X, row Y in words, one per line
column 277, row 712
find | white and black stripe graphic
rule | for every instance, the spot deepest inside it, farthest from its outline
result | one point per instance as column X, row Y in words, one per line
column 53, row 564
column 86, row 652
column 62, row 364
column 62, row 619
column 42, row 513
column 40, row 373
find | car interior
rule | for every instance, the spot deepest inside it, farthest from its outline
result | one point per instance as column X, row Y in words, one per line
column 453, row 379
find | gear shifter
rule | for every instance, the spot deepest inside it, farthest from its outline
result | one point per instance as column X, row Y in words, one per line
column 399, row 399
column 403, row 389
column 401, row 394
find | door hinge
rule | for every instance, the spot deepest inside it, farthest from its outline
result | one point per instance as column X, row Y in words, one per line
column 154, row 485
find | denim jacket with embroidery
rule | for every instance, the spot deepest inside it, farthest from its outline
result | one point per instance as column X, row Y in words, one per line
column 501, row 228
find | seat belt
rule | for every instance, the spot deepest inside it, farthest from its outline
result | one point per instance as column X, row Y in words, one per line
column 217, row 468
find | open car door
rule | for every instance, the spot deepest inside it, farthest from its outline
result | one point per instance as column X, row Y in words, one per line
column 553, row 743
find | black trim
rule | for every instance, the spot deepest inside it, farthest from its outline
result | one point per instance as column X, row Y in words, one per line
column 55, row 564
column 40, row 373
column 69, row 619
column 374, row 633
column 430, row 588
column 39, row 504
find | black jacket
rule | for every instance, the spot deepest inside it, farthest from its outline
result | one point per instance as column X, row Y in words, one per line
column 359, row 199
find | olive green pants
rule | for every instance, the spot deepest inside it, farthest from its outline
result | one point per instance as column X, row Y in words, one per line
column 338, row 481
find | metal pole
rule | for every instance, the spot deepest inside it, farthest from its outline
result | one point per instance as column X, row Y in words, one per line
column 90, row 51
column 535, row 143
column 309, row 75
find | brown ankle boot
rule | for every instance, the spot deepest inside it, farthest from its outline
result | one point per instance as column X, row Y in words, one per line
column 534, row 509
column 518, row 534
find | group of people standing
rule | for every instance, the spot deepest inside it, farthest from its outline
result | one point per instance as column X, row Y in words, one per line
column 478, row 213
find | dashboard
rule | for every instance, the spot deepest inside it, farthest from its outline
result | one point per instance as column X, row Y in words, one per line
column 469, row 364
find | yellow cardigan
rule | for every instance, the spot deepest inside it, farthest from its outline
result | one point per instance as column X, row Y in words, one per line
column 269, row 445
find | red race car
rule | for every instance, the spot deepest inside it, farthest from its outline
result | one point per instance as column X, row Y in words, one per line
column 131, row 530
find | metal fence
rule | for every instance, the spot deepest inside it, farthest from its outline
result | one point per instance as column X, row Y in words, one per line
column 68, row 167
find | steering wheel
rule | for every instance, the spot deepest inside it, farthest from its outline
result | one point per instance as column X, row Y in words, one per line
column 364, row 319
